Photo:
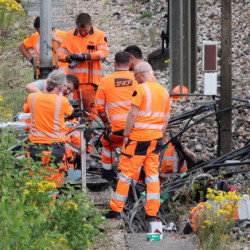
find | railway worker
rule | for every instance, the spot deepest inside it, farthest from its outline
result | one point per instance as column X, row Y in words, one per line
column 176, row 159
column 114, row 94
column 135, row 56
column 84, row 48
column 142, row 140
column 33, row 42
column 72, row 84
column 47, row 131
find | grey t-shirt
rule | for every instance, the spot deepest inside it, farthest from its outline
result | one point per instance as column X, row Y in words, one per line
column 41, row 84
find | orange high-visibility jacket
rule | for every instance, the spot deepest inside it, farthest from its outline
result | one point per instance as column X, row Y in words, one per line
column 94, row 45
column 33, row 42
column 115, row 93
column 47, row 117
column 170, row 162
column 154, row 103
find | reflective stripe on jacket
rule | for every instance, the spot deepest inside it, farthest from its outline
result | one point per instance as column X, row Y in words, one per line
column 153, row 102
column 47, row 117
column 114, row 94
column 95, row 45
column 33, row 42
column 171, row 162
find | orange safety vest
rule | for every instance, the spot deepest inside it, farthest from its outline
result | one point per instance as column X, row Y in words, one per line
column 115, row 93
column 153, row 102
column 47, row 117
column 170, row 162
column 94, row 45
column 33, row 42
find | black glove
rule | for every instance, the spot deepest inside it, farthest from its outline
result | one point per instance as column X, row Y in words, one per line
column 78, row 57
column 176, row 142
column 73, row 64
column 95, row 86
column 68, row 59
column 32, row 60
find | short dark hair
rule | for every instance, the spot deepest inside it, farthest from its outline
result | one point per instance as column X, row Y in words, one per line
column 135, row 51
column 122, row 58
column 83, row 19
column 74, row 79
column 37, row 23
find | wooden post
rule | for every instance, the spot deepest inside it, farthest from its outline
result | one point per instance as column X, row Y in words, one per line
column 226, row 78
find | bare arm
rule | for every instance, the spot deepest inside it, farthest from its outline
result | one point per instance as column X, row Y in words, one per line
column 32, row 88
column 167, row 117
column 56, row 38
column 25, row 52
column 189, row 156
column 130, row 121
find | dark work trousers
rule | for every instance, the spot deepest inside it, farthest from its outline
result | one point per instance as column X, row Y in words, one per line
column 57, row 150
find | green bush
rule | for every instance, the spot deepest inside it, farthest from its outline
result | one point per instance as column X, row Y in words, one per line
column 10, row 11
column 30, row 217
column 148, row 15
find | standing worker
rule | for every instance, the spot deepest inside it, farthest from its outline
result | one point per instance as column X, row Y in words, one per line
column 47, row 130
column 142, row 141
column 135, row 54
column 84, row 48
column 135, row 57
column 114, row 94
column 33, row 42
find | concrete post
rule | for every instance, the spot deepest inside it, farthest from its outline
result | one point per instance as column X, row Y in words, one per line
column 193, row 44
column 226, row 77
column 176, row 49
column 187, row 43
column 45, row 65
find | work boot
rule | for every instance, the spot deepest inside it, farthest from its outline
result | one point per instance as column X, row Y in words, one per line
column 113, row 215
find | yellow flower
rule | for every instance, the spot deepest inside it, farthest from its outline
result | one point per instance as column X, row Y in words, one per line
column 26, row 191
column 72, row 205
column 167, row 61
column 88, row 244
column 29, row 183
column 209, row 206
column 63, row 240
column 207, row 222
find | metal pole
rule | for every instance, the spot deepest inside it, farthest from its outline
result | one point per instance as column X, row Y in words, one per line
column 176, row 48
column 193, row 24
column 187, row 43
column 83, row 156
column 45, row 65
column 226, row 77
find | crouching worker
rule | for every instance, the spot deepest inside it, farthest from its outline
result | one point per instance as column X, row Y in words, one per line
column 47, row 131
column 175, row 159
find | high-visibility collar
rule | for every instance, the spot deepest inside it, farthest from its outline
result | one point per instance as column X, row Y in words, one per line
column 91, row 32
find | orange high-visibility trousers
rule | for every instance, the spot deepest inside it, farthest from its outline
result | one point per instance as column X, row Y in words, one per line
column 88, row 99
column 133, row 156
column 108, row 152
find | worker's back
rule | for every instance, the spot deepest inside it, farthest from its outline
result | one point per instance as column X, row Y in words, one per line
column 116, row 90
column 153, row 102
column 47, row 117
